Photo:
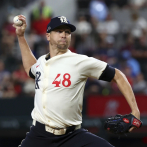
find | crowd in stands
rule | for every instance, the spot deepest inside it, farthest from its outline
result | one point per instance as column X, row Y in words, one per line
column 98, row 35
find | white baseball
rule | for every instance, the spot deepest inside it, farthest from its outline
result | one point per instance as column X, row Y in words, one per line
column 17, row 21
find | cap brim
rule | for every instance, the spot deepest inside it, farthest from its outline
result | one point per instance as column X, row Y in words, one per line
column 72, row 27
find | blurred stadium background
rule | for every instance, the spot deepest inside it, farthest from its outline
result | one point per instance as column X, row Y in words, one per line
column 114, row 31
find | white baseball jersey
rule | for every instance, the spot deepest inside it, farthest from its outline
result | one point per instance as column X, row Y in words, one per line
column 59, row 87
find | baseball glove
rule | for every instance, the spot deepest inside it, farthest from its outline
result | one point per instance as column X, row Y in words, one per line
column 120, row 124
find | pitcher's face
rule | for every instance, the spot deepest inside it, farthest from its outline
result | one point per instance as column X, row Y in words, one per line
column 60, row 37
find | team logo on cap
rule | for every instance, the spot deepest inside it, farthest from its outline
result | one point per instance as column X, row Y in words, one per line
column 63, row 19
column 48, row 28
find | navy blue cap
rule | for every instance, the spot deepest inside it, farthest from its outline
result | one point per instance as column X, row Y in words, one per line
column 59, row 21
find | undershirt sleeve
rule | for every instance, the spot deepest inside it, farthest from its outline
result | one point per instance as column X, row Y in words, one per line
column 107, row 74
column 31, row 74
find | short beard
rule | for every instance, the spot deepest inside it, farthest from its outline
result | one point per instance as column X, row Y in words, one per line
column 58, row 45
column 62, row 47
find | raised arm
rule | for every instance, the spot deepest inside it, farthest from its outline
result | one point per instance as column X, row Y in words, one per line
column 127, row 91
column 27, row 55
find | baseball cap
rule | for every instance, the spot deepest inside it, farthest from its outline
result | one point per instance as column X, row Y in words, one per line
column 59, row 21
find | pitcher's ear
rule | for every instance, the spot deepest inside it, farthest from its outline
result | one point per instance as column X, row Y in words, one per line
column 48, row 36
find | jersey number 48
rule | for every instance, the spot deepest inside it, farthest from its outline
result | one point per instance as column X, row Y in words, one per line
column 65, row 82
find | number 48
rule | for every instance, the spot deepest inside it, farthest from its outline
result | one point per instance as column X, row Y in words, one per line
column 66, row 80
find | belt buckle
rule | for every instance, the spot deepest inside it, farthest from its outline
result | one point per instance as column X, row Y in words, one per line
column 49, row 129
column 59, row 131
column 55, row 131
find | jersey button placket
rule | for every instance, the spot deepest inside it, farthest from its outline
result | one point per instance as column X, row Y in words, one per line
column 43, row 98
column 44, row 89
column 44, row 92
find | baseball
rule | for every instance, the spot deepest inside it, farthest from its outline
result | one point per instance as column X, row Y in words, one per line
column 17, row 21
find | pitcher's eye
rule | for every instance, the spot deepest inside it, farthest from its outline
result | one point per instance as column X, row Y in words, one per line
column 68, row 32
